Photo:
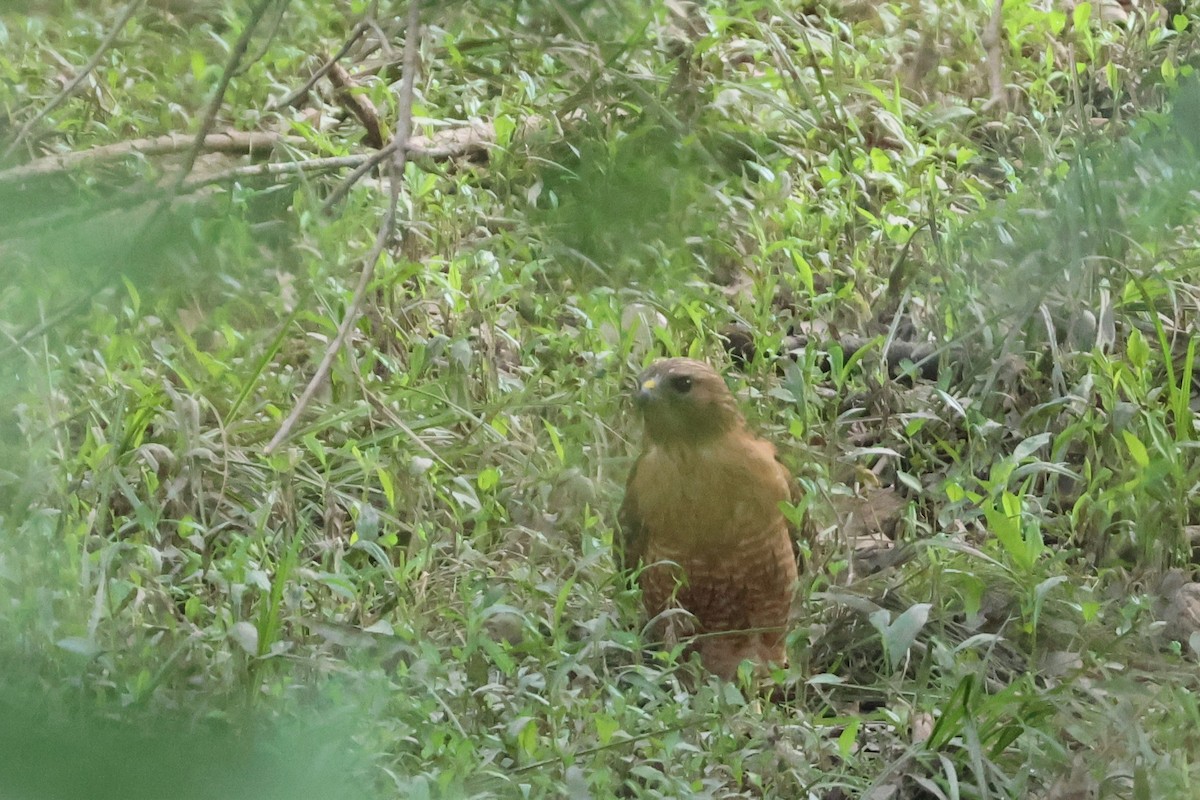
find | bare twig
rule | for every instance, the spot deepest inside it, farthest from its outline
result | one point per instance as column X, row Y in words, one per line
column 236, row 55
column 294, row 96
column 412, row 38
column 446, row 144
column 69, row 89
column 381, row 37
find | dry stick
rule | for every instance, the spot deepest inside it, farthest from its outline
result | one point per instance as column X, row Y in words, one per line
column 412, row 38
column 70, row 88
column 398, row 143
column 381, row 38
column 206, row 125
column 294, row 96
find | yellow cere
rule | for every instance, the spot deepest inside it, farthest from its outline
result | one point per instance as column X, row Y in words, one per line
column 649, row 384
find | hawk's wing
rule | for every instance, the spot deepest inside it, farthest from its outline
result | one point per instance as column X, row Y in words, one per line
column 630, row 542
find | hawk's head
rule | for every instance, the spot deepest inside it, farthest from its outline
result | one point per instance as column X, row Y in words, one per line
column 683, row 400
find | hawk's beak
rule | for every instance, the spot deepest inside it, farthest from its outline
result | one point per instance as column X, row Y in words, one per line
column 645, row 392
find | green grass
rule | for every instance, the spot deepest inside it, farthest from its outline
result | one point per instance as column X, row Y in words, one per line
column 415, row 595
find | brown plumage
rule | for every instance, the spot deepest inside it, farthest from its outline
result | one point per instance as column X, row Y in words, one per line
column 702, row 513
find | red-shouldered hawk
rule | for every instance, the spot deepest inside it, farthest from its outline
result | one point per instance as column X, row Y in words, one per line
column 702, row 513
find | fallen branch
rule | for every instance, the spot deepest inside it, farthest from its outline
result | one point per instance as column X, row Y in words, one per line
column 235, row 142
column 465, row 141
column 474, row 139
column 358, row 104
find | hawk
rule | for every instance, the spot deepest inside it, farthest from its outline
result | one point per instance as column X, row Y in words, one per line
column 702, row 513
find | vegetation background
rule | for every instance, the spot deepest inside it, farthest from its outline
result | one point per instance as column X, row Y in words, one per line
column 950, row 249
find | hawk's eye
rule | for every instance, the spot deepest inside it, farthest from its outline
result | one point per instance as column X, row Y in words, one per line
column 681, row 383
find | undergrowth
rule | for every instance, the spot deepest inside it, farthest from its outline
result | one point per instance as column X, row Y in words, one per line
column 415, row 594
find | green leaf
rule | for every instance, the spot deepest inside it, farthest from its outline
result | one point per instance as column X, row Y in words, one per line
column 556, row 441
column 804, row 270
column 526, row 735
column 80, row 646
column 606, row 726
column 1141, row 784
column 245, row 635
column 1136, row 349
column 899, row 635
column 1081, row 15
column 1006, row 527
column 504, row 126
column 848, row 738
column 388, row 485
column 826, row 679
column 1029, row 446
column 497, row 655
column 199, row 65
column 1137, row 450
column 488, row 479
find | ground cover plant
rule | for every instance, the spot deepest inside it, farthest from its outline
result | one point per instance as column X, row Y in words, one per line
column 312, row 457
